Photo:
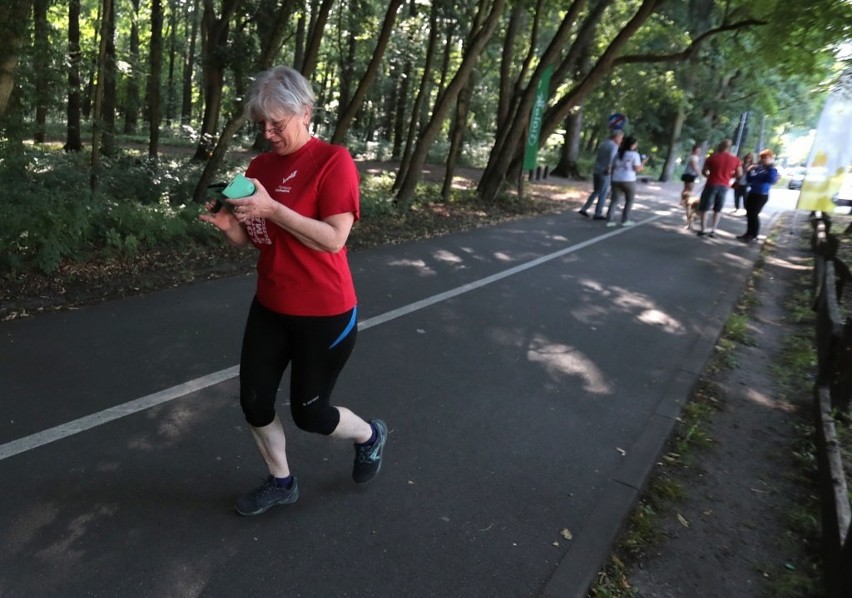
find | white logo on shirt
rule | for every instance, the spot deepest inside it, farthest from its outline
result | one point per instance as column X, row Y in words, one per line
column 283, row 187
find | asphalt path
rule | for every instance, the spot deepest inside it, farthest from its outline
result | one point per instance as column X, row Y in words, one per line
column 529, row 374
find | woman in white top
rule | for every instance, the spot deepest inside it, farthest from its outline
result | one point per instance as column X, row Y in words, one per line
column 692, row 172
column 625, row 165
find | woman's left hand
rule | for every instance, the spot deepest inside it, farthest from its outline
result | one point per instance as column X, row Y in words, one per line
column 257, row 205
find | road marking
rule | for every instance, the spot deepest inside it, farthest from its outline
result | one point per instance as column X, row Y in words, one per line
column 87, row 422
column 33, row 441
column 423, row 303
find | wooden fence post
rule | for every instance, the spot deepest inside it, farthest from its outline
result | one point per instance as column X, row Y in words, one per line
column 832, row 394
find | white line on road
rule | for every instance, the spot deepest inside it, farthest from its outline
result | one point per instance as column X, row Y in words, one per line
column 33, row 441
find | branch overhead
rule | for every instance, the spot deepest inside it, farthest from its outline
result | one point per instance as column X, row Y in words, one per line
column 691, row 50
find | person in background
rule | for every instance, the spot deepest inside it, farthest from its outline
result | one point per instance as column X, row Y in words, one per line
column 741, row 184
column 761, row 177
column 692, row 171
column 719, row 169
column 625, row 165
column 304, row 312
column 601, row 175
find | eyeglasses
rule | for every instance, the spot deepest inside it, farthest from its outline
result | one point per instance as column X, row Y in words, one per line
column 276, row 129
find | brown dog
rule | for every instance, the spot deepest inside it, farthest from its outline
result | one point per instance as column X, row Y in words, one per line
column 690, row 206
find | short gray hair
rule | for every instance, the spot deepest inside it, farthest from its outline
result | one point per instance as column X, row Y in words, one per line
column 280, row 89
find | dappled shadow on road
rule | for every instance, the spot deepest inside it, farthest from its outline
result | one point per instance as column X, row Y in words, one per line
column 134, row 499
column 565, row 362
column 661, row 300
column 560, row 360
column 641, row 307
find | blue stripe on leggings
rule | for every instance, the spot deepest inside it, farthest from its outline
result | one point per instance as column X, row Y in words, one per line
column 352, row 321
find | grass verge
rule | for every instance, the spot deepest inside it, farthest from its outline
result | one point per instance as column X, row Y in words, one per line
column 665, row 490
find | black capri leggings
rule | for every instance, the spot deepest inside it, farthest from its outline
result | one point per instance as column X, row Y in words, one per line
column 318, row 348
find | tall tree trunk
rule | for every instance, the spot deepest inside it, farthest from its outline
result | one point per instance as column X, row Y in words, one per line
column 270, row 45
column 459, row 126
column 570, row 154
column 508, row 61
column 506, row 157
column 567, row 166
column 473, row 50
column 214, row 39
column 581, row 52
column 73, row 142
column 457, row 137
column 699, row 15
column 423, row 91
column 419, row 100
column 170, row 78
column 673, row 145
column 369, row 76
column 109, row 96
column 88, row 96
column 510, row 139
column 189, row 64
column 315, row 37
column 591, row 142
column 347, row 60
column 13, row 27
column 534, row 44
column 97, row 122
column 301, row 32
column 41, row 62
column 396, row 102
column 155, row 58
column 446, row 57
column 131, row 100
column 601, row 68
column 401, row 115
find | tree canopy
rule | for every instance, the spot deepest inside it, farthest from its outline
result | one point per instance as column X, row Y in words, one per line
column 413, row 81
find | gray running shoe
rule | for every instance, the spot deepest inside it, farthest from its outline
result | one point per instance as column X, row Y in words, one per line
column 267, row 496
column 368, row 459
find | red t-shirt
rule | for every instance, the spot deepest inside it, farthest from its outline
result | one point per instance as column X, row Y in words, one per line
column 318, row 180
column 722, row 167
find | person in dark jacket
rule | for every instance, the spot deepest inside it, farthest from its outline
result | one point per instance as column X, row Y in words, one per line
column 760, row 178
column 602, row 175
column 741, row 184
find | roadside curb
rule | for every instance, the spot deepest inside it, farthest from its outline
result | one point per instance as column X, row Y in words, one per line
column 594, row 542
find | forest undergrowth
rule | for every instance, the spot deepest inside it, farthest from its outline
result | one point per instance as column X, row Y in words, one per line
column 64, row 247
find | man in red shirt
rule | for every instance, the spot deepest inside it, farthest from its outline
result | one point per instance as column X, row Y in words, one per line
column 719, row 169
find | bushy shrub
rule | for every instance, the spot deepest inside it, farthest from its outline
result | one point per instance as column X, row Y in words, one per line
column 52, row 215
column 145, row 181
column 377, row 195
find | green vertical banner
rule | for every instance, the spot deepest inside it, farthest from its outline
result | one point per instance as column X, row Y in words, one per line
column 541, row 93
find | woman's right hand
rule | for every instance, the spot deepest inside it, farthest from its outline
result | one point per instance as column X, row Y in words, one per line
column 225, row 221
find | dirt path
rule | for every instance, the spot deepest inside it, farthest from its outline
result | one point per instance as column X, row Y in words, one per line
column 729, row 536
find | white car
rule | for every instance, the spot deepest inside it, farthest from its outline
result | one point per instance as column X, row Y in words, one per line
column 844, row 196
column 797, row 175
